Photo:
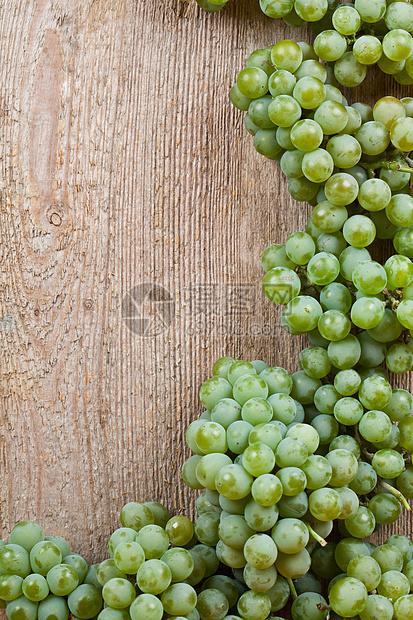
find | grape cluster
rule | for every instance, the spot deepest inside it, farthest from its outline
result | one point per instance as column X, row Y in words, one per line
column 370, row 582
column 280, row 457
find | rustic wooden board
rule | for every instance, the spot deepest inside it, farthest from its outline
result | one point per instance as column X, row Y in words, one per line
column 123, row 164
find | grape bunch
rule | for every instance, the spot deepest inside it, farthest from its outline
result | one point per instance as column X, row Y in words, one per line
column 370, row 582
column 279, row 458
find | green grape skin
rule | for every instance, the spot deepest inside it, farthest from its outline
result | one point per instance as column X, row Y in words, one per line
column 348, row 411
column 401, row 134
column 341, row 189
column 317, row 165
column 252, row 82
column 327, row 428
column 403, row 607
column 406, row 433
column 11, row 586
column 329, row 218
column 330, row 45
column 345, row 150
column 397, row 45
column 119, row 593
column 273, row 256
column 26, row 534
column 367, row 312
column 293, row 480
column 310, row 92
column 22, row 609
column 387, row 110
column 348, row 548
column 385, row 507
column 336, row 296
column 377, row 607
column 389, row 557
column 393, row 585
column 361, row 524
column 325, row 504
column 323, row 268
column 348, row 597
column 314, row 361
column 374, row 194
column 284, row 111
column 212, row 603
column 367, row 50
column 303, row 313
column 318, row 471
column 346, row 442
column 281, row 285
column 348, row 71
column 405, row 483
column 345, row 353
column 366, row 570
column 332, row 117
column 400, row 210
column 240, row 101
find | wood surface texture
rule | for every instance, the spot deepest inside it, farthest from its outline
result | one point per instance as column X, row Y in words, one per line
column 122, row 164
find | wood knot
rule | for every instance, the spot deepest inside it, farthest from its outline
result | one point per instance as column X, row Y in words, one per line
column 55, row 219
column 88, row 304
column 36, row 312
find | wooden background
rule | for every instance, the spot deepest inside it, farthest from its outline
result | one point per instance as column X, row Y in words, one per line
column 123, row 163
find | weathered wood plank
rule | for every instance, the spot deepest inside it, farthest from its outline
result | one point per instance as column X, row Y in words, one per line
column 124, row 164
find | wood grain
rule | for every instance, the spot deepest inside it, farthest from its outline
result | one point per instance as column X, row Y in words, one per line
column 124, row 164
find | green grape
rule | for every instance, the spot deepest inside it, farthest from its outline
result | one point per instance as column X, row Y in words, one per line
column 406, row 433
column 313, row 68
column 14, row 559
column 104, row 571
column 403, row 607
column 348, row 71
column 391, row 67
column 327, row 428
column 361, row 524
column 293, row 506
column 234, row 531
column 405, row 483
column 374, row 195
column 347, row 549
column 281, row 82
column 311, row 11
column 334, row 325
column 11, row 587
column 375, row 426
column 341, row 189
column 180, row 530
column 180, row 562
column 388, row 109
column 317, row 165
column 330, row 45
column 206, row 529
column 22, row 609
column 323, row 562
column 250, row 127
column 349, row 500
column 346, row 20
column 375, row 392
column 331, row 116
column 286, row 55
column 62, row 579
column 310, row 92
column 233, row 482
column 345, row 353
column 254, row 605
column 344, row 467
column 359, row 231
column 293, row 565
column 397, row 44
column 26, row 534
column 403, row 544
column 154, row 540
column 252, row 82
column 278, row 380
column 345, row 150
column 260, row 551
column 261, row 58
column 225, row 412
column 400, row 210
column 293, row 480
column 336, row 296
column 229, row 556
column 146, row 607
column 212, row 604
column 258, row 112
column 284, row 111
column 211, row 437
column 333, row 243
column 395, row 179
column 385, row 507
column 348, row 597
column 348, row 411
column 240, row 101
column 265, row 142
column 85, row 601
column 329, row 218
column 373, row 137
column 402, row 242
column 108, row 613
column 365, row 480
column 307, row 434
column 300, row 247
column 401, row 134
column 388, row 329
column 274, row 256
column 318, row 471
column 389, row 557
column 303, row 312
column 291, row 165
column 304, row 388
column 280, row 285
column 53, row 608
column 120, row 593
column 399, row 358
column 325, row 504
column 306, row 607
column 367, row 50
column 306, row 135
column 367, row 312
column 122, row 534
column 323, row 268
column 393, row 585
column 377, row 607
column 259, row 459
column 366, row 570
column 314, row 361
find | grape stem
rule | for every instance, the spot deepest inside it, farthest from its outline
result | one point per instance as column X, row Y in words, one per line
column 395, row 492
column 316, row 536
column 388, row 165
column 292, row 588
